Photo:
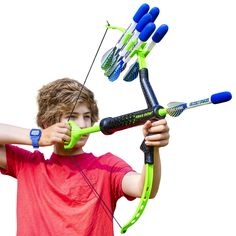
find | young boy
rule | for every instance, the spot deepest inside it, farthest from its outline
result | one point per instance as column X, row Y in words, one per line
column 55, row 196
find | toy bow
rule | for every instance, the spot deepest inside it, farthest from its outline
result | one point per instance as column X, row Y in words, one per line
column 133, row 43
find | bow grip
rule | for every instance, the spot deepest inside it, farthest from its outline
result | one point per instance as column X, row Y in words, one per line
column 111, row 125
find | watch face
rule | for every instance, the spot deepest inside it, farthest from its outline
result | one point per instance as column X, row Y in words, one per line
column 35, row 132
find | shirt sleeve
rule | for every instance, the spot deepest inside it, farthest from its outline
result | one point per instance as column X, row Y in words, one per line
column 16, row 159
column 119, row 170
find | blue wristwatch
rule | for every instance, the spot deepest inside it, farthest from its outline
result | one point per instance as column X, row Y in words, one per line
column 35, row 135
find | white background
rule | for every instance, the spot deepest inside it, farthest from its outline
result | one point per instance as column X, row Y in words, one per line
column 49, row 39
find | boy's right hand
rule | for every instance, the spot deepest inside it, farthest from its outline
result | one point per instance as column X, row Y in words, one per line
column 57, row 133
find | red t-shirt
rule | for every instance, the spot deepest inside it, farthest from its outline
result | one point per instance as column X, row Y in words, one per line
column 54, row 198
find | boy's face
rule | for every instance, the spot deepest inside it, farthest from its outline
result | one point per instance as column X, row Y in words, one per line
column 82, row 117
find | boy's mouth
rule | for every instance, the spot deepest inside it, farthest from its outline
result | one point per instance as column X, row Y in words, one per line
column 83, row 137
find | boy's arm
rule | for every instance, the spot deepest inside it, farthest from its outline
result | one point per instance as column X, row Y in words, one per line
column 9, row 134
column 132, row 184
column 3, row 159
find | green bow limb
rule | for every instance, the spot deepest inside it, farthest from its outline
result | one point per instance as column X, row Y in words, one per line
column 144, row 198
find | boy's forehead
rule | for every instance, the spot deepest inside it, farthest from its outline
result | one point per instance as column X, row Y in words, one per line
column 82, row 108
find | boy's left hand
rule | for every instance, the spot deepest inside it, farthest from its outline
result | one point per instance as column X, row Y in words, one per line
column 156, row 133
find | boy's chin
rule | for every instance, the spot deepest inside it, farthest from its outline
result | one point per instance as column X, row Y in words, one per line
column 80, row 144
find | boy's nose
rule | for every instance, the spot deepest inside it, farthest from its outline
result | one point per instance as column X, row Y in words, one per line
column 81, row 123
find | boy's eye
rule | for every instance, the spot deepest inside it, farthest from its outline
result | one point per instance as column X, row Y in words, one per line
column 87, row 116
column 72, row 117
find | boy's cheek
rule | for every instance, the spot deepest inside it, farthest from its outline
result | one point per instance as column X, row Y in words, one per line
column 82, row 141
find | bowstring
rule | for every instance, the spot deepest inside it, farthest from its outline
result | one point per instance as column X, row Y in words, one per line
column 81, row 171
column 85, row 80
column 96, row 193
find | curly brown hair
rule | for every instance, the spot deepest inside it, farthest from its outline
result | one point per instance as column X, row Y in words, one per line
column 59, row 97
